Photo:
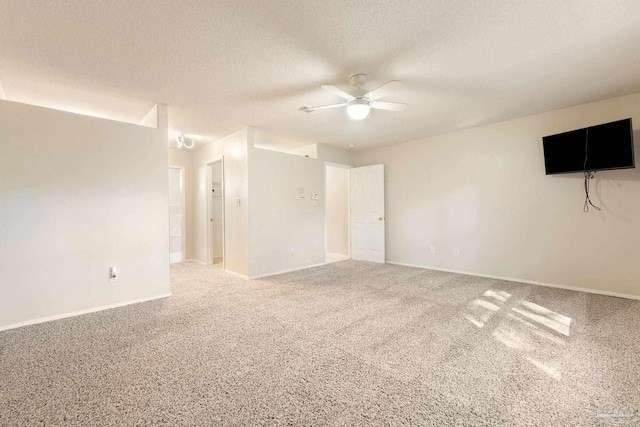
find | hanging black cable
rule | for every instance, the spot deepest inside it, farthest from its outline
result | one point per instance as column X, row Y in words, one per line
column 588, row 175
column 587, row 200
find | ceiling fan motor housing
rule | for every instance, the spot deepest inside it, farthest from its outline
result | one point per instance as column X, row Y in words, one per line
column 358, row 80
column 360, row 101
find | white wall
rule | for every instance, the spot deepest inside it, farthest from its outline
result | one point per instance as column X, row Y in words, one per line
column 328, row 153
column 337, row 210
column 333, row 154
column 285, row 232
column 234, row 148
column 182, row 158
column 307, row 150
column 271, row 231
column 484, row 191
column 77, row 195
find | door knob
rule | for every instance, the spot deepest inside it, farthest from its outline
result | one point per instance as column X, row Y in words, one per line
column 381, row 218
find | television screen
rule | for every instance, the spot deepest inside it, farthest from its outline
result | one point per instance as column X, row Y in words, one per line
column 601, row 147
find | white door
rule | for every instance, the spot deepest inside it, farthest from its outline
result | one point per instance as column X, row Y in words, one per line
column 176, row 214
column 216, row 213
column 367, row 213
column 216, row 224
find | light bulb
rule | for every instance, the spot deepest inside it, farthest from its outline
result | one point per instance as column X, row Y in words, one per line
column 359, row 109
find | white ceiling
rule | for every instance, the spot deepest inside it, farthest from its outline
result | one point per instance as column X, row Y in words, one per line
column 224, row 65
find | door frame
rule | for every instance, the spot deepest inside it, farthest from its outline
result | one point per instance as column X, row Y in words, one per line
column 209, row 212
column 341, row 166
column 184, row 219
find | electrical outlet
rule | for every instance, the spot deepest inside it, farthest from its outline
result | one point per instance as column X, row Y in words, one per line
column 113, row 274
column 433, row 249
column 456, row 251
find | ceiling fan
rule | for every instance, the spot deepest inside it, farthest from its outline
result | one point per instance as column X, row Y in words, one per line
column 359, row 107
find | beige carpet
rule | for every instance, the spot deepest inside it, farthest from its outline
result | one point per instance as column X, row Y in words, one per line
column 349, row 343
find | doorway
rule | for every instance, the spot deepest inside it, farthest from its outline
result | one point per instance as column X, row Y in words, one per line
column 176, row 215
column 216, row 213
column 337, row 212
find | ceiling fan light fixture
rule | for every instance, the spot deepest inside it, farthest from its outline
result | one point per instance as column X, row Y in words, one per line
column 359, row 109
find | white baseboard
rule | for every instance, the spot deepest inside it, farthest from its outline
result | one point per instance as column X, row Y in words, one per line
column 528, row 282
column 197, row 261
column 242, row 276
column 80, row 312
column 337, row 257
column 260, row 276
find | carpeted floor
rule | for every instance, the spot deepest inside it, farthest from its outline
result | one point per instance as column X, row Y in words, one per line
column 349, row 343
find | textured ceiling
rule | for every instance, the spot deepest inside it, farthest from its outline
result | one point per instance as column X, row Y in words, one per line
column 222, row 65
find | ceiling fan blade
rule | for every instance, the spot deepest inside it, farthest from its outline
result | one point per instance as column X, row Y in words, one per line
column 322, row 107
column 381, row 91
column 334, row 90
column 391, row 106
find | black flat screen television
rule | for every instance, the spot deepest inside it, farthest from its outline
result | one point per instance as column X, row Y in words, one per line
column 602, row 147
